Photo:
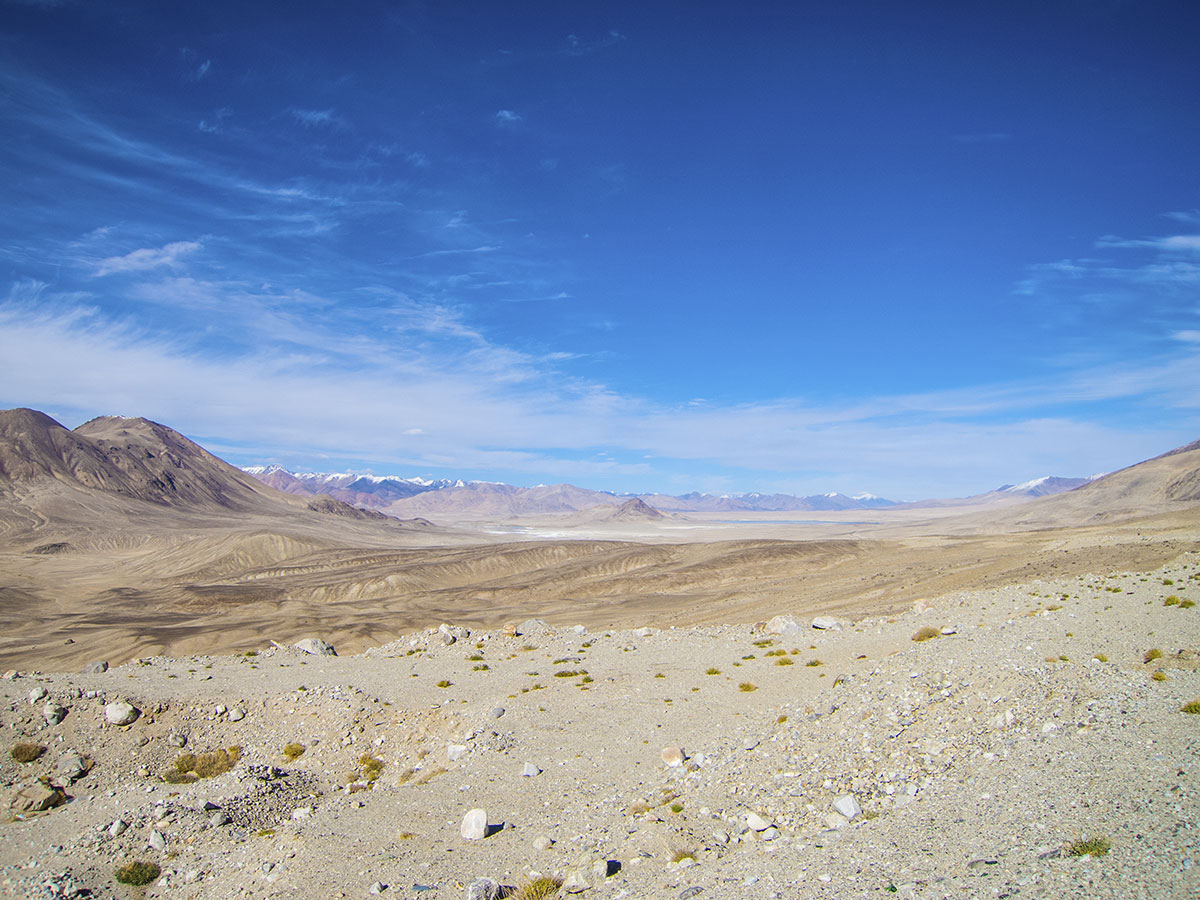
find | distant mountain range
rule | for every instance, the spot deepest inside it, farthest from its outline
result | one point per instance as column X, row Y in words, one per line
column 406, row 496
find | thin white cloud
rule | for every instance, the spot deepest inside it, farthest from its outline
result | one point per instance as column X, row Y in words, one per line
column 148, row 258
column 577, row 46
column 388, row 394
column 316, row 118
column 507, row 117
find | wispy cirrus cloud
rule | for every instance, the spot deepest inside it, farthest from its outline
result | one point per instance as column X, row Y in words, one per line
column 982, row 137
column 508, row 117
column 574, row 45
column 414, row 384
column 170, row 255
column 316, row 118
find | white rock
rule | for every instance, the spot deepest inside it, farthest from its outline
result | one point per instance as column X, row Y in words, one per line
column 315, row 645
column 483, row 889
column 755, row 822
column 236, row 714
column 542, row 843
column 673, row 756
column 53, row 713
column 827, row 623
column 848, row 806
column 529, row 770
column 121, row 712
column 38, row 694
column 577, row 881
column 157, row 841
column 117, row 828
column 643, row 632
column 474, row 825
column 784, row 625
column 769, row 834
column 456, row 751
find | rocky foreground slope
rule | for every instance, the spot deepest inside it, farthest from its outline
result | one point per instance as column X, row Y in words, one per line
column 1038, row 724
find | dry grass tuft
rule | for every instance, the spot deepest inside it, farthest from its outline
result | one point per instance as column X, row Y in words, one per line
column 928, row 632
column 27, row 753
column 540, row 888
column 138, row 873
column 189, row 767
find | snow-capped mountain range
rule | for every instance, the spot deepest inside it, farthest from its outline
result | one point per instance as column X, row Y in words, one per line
column 413, row 496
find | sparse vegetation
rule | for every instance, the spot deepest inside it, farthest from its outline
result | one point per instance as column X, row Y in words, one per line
column 926, row 633
column 712, row 670
column 482, row 667
column 1192, row 707
column 1100, row 657
column 27, row 753
column 746, row 687
column 1151, row 655
column 679, row 856
column 294, row 751
column 541, row 888
column 190, row 767
column 370, row 767
column 676, row 808
column 1095, row 846
column 569, row 673
column 138, row 873
column 785, row 661
column 475, row 657
column 1159, row 675
column 813, row 663
column 586, row 679
column 1171, row 600
column 444, row 683
column 1186, row 604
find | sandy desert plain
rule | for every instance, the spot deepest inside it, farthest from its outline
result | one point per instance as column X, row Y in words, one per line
column 924, row 703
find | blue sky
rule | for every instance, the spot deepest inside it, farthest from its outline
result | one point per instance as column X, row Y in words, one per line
column 908, row 249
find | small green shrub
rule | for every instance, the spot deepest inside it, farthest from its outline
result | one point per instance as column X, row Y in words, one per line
column 680, row 855
column 568, row 673
column 1096, row 846
column 475, row 657
column 1172, row 600
column 1100, row 657
column 926, row 633
column 294, row 751
column 1186, row 604
column 713, row 670
column 138, row 873
column 1151, row 655
column 27, row 753
column 482, row 667
column 1159, row 675
column 586, row 679
column 676, row 808
column 444, row 683
column 746, row 687
column 785, row 661
column 813, row 663
column 1192, row 706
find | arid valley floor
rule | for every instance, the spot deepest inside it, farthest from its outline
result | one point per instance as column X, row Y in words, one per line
column 642, row 708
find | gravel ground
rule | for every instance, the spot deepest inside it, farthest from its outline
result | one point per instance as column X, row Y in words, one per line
column 979, row 758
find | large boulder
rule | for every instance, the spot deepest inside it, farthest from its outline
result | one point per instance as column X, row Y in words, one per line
column 315, row 646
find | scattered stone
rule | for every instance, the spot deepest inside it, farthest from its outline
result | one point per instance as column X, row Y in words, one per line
column 72, row 767
column 218, row 819
column 175, row 739
column 542, row 843
column 755, row 822
column 848, row 806
column 673, row 756
column 529, row 770
column 688, row 893
column 577, row 881
column 37, row 695
column 53, row 713
column 315, row 646
column 36, row 798
column 95, row 668
column 157, row 841
column 377, row 888
column 474, row 825
column 121, row 712
column 827, row 623
column 456, row 751
column 643, row 632
column 483, row 889
column 836, row 820
column 768, row 834
column 117, row 828
column 236, row 714
column 497, row 712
